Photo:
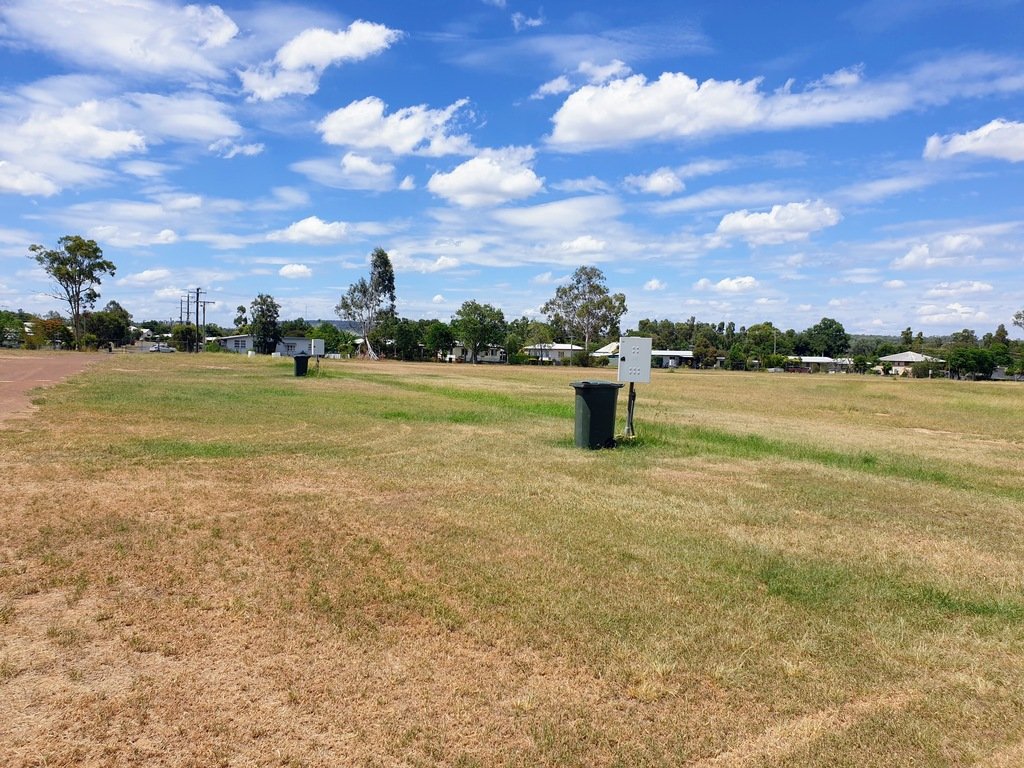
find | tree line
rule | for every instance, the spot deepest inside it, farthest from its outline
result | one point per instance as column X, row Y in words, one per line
column 582, row 311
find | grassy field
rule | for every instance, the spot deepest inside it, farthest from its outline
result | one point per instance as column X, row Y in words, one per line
column 205, row 561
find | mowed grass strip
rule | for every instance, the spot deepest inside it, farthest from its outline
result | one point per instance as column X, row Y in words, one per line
column 394, row 563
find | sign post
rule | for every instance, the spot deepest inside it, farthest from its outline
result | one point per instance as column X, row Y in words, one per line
column 634, row 366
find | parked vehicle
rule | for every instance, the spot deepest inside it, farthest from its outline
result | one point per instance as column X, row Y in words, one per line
column 162, row 348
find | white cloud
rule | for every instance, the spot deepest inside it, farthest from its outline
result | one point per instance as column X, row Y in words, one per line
column 142, row 37
column 228, row 149
column 553, row 87
column 947, row 249
column 179, row 117
column 894, row 284
column 412, row 130
column 728, row 284
column 146, row 169
column 438, row 299
column 21, row 181
column 757, row 194
column 597, row 74
column 554, row 219
column 493, row 177
column 663, row 181
column 589, row 185
column 1001, row 139
column 880, row 189
column 677, row 106
column 295, row 271
column 584, row 244
column 406, row 263
column 312, row 231
column 408, row 184
column 958, row 288
column 521, row 21
column 146, row 277
column 955, row 313
column 782, row 224
column 301, row 61
column 654, row 284
column 123, row 236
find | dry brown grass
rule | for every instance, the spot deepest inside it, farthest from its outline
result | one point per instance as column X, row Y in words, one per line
column 208, row 562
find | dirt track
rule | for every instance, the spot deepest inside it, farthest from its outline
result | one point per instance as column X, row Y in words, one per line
column 20, row 373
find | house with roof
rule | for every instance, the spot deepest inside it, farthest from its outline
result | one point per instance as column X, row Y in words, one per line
column 243, row 343
column 902, row 362
column 556, row 354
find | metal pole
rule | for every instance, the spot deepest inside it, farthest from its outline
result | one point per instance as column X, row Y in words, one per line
column 631, row 401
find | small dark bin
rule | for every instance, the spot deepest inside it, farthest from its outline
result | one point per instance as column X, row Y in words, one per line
column 301, row 364
column 595, row 413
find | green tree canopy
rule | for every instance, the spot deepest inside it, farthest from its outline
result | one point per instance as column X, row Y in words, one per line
column 584, row 308
column 828, row 338
column 77, row 267
column 438, row 338
column 477, row 326
column 263, row 323
column 370, row 302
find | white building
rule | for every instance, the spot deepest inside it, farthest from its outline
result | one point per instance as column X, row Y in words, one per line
column 902, row 362
column 288, row 346
column 557, row 354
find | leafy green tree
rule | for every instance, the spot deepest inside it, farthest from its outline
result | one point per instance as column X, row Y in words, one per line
column 971, row 361
column 907, row 337
column 111, row 325
column 184, row 337
column 263, row 323
column 438, row 338
column 584, row 307
column 298, row 327
column 408, row 337
column 828, row 338
column 1018, row 319
column 369, row 302
column 12, row 329
column 241, row 321
column 77, row 267
column 478, row 326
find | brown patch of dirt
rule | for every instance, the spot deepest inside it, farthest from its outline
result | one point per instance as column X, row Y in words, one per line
column 20, row 374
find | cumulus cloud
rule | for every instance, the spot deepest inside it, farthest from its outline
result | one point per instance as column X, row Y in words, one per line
column 1001, row 139
column 21, row 181
column 948, row 249
column 654, row 284
column 438, row 299
column 758, row 194
column 295, row 271
column 584, row 244
column 553, row 87
column 123, row 236
column 418, row 130
column 675, row 106
column 312, row 231
column 299, row 63
column 782, row 224
column 958, row 288
column 148, row 37
column 602, row 73
column 552, row 220
column 728, row 284
column 663, row 181
column 493, row 177
column 955, row 313
column 146, row 277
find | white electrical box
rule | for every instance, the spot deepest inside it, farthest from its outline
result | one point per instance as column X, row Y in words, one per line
column 635, row 359
column 316, row 347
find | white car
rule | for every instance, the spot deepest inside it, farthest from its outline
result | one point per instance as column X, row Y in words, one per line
column 162, row 348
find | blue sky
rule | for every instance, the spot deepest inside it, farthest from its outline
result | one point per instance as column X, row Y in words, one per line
column 729, row 160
